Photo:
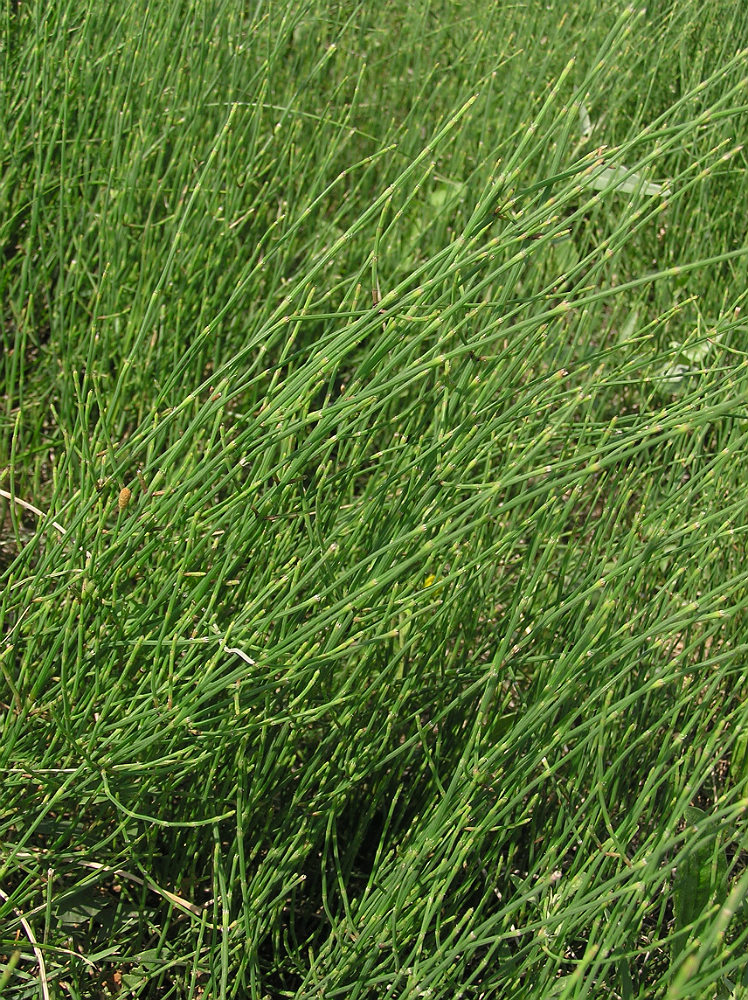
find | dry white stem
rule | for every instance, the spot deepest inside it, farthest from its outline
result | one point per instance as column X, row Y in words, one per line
column 35, row 510
column 171, row 897
column 37, row 950
column 32, row 508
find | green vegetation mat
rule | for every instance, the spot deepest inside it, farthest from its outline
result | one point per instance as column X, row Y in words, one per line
column 373, row 500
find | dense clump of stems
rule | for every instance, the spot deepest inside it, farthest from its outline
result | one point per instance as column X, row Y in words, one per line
column 373, row 508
